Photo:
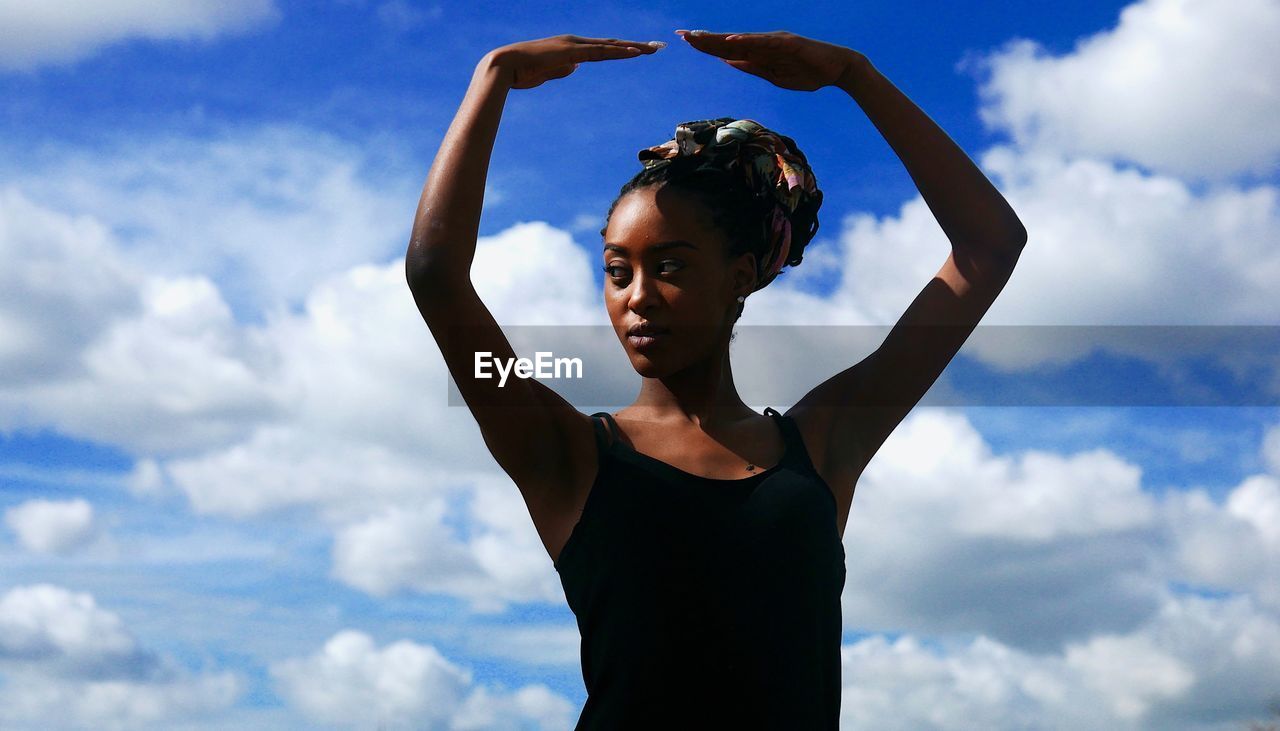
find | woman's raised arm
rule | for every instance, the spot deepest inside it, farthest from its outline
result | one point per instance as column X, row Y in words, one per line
column 854, row 411
column 525, row 424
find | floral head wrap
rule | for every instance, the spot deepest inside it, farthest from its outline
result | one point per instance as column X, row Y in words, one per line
column 769, row 163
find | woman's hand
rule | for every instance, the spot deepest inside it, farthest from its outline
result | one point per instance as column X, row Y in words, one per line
column 786, row 59
column 529, row 63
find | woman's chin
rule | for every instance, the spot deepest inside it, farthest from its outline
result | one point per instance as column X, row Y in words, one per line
column 650, row 366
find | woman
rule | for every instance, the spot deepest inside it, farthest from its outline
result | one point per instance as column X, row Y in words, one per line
column 699, row 542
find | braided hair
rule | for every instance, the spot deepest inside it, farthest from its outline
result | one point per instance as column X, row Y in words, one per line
column 755, row 183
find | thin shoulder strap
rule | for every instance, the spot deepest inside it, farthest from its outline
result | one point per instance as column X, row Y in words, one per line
column 603, row 438
column 796, row 452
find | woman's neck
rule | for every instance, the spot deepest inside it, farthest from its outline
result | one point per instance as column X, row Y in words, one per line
column 702, row 394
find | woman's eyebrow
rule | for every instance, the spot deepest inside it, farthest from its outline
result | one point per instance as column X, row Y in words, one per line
column 663, row 246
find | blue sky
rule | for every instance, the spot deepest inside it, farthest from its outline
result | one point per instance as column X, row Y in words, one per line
column 234, row 496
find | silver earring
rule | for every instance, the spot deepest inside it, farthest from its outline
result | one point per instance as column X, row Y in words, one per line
column 741, row 299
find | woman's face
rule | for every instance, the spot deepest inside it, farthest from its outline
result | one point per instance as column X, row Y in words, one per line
column 666, row 266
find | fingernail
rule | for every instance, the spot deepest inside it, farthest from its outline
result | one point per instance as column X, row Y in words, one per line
column 698, row 32
column 657, row 44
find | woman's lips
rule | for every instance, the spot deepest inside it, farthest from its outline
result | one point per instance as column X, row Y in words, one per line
column 647, row 341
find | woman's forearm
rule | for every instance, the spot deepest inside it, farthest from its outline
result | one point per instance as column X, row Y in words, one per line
column 443, row 242
column 969, row 209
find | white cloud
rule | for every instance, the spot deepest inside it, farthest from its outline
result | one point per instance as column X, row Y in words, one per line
column 63, row 31
column 533, row 274
column 45, row 622
column 500, row 561
column 1196, row 665
column 52, row 526
column 40, row 703
column 404, row 548
column 535, row 705
column 1131, row 672
column 1257, row 502
column 161, row 359
column 1233, row 545
column 177, row 375
column 280, row 207
column 1108, row 246
column 1033, row 550
column 1038, row 550
column 352, row 682
column 905, row 685
column 51, row 304
column 1181, row 86
column 65, row 662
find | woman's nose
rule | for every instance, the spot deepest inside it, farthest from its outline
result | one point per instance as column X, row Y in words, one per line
column 643, row 293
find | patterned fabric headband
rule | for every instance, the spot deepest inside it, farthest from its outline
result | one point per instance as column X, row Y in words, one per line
column 766, row 163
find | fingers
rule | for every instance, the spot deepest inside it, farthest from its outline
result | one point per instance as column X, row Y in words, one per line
column 718, row 44
column 601, row 49
column 604, row 52
column 594, row 52
column 775, row 40
column 618, row 42
column 706, row 35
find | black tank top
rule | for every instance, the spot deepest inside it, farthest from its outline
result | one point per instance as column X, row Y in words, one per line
column 706, row 603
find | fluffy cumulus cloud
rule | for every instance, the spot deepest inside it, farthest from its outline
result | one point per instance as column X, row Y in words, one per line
column 63, row 31
column 160, row 357
column 1195, row 665
column 52, row 526
column 1180, row 86
column 499, row 560
column 51, row 304
column 1033, row 551
column 45, row 622
column 281, row 207
column 1064, row 573
column 1233, row 546
column 351, row 682
column 66, row 662
column 1037, row 549
column 1147, row 248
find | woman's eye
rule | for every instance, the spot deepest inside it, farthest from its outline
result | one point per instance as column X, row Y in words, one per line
column 662, row 267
